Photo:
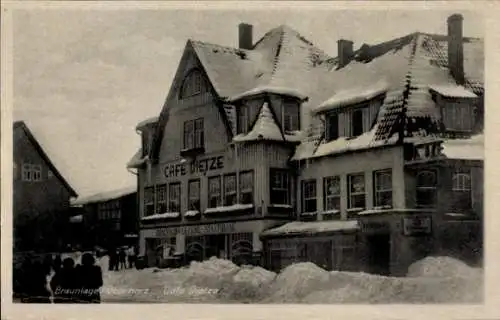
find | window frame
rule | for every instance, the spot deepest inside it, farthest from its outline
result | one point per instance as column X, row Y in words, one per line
column 26, row 173
column 328, row 119
column 305, row 198
column 358, row 110
column 242, row 118
column 462, row 189
column 196, row 135
column 147, row 203
column 190, row 195
column 172, row 199
column 292, row 117
column 193, row 84
column 231, row 193
column 250, row 189
column 159, row 200
column 456, row 114
column 419, row 189
column 209, row 193
column 350, row 193
column 377, row 191
column 327, row 197
column 285, row 187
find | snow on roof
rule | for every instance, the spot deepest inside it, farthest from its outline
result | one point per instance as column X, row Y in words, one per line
column 465, row 149
column 298, row 227
column 265, row 128
column 137, row 160
column 453, row 91
column 105, row 196
column 146, row 122
column 269, row 89
column 352, row 96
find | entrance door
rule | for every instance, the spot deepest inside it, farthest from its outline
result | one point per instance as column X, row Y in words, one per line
column 379, row 253
column 215, row 245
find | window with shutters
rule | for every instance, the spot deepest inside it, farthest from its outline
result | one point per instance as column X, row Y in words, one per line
column 331, row 191
column 214, row 192
column 246, row 187
column 174, row 197
column 309, row 196
column 230, row 190
column 356, row 188
column 280, row 186
column 426, row 186
column 383, row 188
column 194, row 195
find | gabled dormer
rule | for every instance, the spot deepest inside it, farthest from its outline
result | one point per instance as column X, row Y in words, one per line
column 146, row 130
column 458, row 108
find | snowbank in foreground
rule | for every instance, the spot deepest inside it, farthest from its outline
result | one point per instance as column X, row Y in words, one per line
column 221, row 281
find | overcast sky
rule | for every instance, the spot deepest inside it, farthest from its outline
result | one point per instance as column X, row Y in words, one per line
column 84, row 79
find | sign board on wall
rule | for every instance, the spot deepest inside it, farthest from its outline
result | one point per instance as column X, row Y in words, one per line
column 417, row 225
column 203, row 229
column 198, row 166
column 375, row 226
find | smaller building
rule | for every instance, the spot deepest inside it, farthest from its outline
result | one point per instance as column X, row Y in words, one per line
column 109, row 219
column 41, row 196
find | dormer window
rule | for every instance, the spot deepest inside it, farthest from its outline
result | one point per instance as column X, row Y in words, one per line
column 457, row 107
column 290, row 117
column 193, row 84
column 357, row 123
column 243, row 122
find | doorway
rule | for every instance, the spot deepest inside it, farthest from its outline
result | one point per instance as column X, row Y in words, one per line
column 215, row 245
column 379, row 253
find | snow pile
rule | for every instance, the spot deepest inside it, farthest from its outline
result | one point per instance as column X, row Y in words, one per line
column 442, row 267
column 212, row 274
column 297, row 281
column 250, row 284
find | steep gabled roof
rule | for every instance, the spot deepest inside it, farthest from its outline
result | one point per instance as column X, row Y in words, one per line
column 20, row 125
column 106, row 196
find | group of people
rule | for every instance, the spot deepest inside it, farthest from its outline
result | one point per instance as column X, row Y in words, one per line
column 70, row 283
column 122, row 258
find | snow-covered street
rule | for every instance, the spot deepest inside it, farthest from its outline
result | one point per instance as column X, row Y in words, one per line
column 432, row 280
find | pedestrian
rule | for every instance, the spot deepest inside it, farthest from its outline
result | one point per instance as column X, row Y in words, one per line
column 131, row 257
column 89, row 280
column 122, row 258
column 112, row 259
column 64, row 283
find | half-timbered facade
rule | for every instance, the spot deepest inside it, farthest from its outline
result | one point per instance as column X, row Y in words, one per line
column 362, row 161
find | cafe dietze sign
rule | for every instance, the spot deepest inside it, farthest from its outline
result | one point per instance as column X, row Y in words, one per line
column 198, row 166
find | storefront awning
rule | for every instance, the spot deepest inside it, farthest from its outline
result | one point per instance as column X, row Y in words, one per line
column 311, row 228
column 76, row 219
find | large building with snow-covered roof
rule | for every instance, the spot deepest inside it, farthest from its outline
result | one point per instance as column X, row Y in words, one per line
column 277, row 150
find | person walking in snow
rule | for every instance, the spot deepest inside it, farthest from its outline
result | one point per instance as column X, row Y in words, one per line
column 122, row 257
column 131, row 257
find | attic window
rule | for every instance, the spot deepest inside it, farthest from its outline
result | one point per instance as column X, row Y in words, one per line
column 193, row 84
column 458, row 116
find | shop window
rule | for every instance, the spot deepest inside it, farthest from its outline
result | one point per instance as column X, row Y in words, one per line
column 243, row 121
column 149, row 201
column 331, row 193
column 357, row 122
column 193, row 134
column 193, row 85
column 241, row 247
column 230, row 190
column 462, row 192
column 246, row 187
column 332, row 127
column 383, row 188
column 161, row 198
column 214, row 192
column 426, row 186
column 32, row 172
column 194, row 195
column 291, row 115
column 458, row 116
column 174, row 197
column 357, row 195
column 309, row 196
column 280, row 186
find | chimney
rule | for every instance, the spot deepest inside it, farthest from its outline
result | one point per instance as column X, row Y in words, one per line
column 456, row 48
column 245, row 36
column 345, row 52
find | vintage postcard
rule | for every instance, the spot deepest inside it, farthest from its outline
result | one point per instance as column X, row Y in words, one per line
column 231, row 155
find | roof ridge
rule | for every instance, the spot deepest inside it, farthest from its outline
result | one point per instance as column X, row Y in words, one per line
column 204, row 43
